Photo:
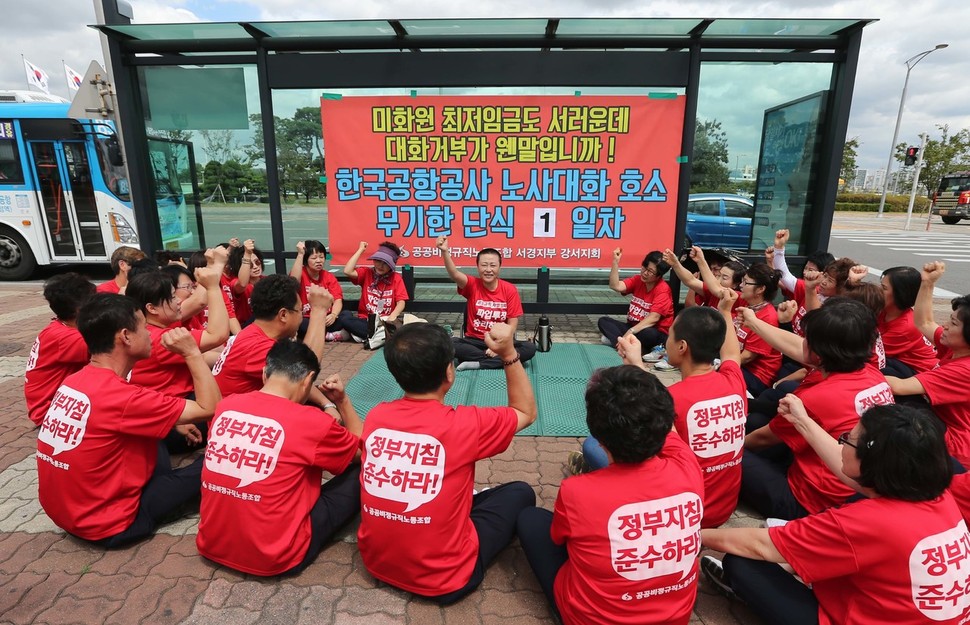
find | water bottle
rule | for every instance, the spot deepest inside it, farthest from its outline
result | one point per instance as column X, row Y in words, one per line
column 543, row 336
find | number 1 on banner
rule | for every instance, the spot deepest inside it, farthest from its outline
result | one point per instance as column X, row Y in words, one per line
column 544, row 223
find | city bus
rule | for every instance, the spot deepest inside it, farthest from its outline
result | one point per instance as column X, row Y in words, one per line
column 64, row 195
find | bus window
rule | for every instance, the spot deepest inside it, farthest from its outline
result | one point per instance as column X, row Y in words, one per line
column 10, row 169
column 114, row 174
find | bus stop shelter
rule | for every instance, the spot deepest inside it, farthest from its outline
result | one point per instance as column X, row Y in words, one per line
column 244, row 99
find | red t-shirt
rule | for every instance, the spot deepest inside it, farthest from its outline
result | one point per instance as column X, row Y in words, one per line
column 201, row 320
column 632, row 532
column 835, row 402
column 942, row 350
column 768, row 360
column 240, row 367
column 379, row 298
column 799, row 296
column 711, row 411
column 418, row 471
column 486, row 308
column 904, row 342
column 883, row 561
column 164, row 371
column 240, row 301
column 58, row 351
column 658, row 300
column 97, row 449
column 225, row 283
column 878, row 359
column 108, row 287
column 261, row 478
column 948, row 389
column 326, row 280
column 706, row 298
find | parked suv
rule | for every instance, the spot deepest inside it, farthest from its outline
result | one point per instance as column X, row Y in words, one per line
column 719, row 220
column 952, row 198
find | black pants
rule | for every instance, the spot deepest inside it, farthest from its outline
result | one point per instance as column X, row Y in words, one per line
column 771, row 592
column 764, row 484
column 163, row 499
column 339, row 502
column 545, row 557
column 337, row 325
column 469, row 349
column 613, row 329
column 494, row 513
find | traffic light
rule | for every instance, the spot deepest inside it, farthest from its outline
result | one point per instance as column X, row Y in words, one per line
column 911, row 154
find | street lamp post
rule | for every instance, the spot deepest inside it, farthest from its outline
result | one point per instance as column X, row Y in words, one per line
column 910, row 64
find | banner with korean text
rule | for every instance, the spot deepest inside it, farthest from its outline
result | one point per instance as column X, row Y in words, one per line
column 547, row 180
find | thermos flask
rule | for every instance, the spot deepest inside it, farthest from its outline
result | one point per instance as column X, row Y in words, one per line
column 543, row 336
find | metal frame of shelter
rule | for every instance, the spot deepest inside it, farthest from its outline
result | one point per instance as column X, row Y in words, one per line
column 525, row 52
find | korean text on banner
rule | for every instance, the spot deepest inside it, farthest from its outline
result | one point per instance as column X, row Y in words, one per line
column 547, row 180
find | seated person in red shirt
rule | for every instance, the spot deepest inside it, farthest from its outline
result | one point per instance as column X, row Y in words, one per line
column 382, row 291
column 710, row 278
column 651, row 302
column 59, row 349
column 759, row 360
column 245, row 269
column 621, row 545
column 121, row 261
column 946, row 387
column 894, row 557
column 155, row 294
column 789, row 481
column 709, row 404
column 491, row 300
column 276, row 307
column 103, row 473
column 270, row 516
column 908, row 352
column 308, row 268
column 430, row 534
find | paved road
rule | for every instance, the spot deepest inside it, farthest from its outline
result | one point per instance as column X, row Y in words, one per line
column 882, row 243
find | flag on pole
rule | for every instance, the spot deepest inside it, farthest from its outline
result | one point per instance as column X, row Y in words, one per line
column 36, row 77
column 73, row 79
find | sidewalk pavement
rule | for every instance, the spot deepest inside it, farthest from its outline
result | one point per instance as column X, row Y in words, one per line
column 49, row 577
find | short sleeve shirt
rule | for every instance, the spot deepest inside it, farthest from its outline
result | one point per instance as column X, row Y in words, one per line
column 948, row 389
column 97, row 449
column 58, row 351
column 904, row 342
column 326, row 280
column 417, row 474
column 379, row 297
column 768, row 360
column 240, row 366
column 263, row 464
column 486, row 308
column 164, row 371
column 658, row 300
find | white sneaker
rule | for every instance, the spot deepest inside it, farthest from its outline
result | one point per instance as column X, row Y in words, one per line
column 664, row 365
column 657, row 354
column 604, row 340
column 334, row 337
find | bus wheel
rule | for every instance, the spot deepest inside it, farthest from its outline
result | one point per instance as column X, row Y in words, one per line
column 950, row 220
column 16, row 260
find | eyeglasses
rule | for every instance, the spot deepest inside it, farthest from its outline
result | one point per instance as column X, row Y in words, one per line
column 844, row 440
column 648, row 271
column 185, row 287
column 745, row 282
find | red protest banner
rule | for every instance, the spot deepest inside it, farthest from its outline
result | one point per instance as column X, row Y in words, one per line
column 547, row 180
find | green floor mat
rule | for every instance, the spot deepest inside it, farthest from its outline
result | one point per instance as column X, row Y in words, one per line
column 558, row 376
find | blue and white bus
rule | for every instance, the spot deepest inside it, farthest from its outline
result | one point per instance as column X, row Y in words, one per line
column 64, row 194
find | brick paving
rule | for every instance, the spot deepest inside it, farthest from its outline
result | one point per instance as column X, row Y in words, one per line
column 49, row 577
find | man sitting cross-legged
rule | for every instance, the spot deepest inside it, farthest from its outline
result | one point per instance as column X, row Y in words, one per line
column 422, row 528
column 103, row 473
column 268, row 514
column 490, row 301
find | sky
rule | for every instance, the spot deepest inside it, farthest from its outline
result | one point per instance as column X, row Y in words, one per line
column 54, row 31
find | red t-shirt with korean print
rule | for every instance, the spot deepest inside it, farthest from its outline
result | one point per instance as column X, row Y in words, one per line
column 658, row 300
column 58, row 351
column 883, row 560
column 632, row 532
column 326, row 280
column 711, row 410
column 486, row 308
column 834, row 402
column 164, row 371
column 768, row 360
column 240, row 366
column 240, row 301
column 418, row 471
column 948, row 389
column 97, row 449
column 904, row 342
column 379, row 298
column 798, row 295
column 263, row 465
